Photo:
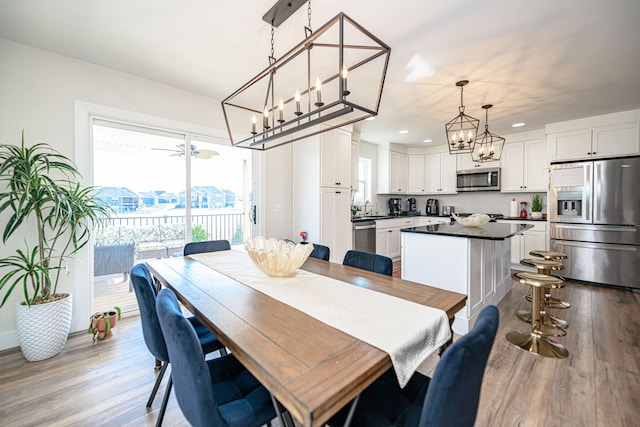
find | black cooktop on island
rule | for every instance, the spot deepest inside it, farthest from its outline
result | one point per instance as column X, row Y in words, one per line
column 492, row 217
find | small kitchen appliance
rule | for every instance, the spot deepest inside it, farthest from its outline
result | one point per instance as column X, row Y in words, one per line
column 395, row 206
column 432, row 207
column 411, row 204
column 523, row 210
column 476, row 180
column 447, row 210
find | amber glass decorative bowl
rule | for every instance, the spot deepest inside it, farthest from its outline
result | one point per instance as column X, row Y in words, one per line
column 277, row 258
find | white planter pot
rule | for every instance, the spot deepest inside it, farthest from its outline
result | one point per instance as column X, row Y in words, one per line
column 536, row 215
column 43, row 328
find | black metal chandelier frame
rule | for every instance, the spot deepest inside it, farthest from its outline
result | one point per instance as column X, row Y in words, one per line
column 275, row 129
column 488, row 146
column 462, row 129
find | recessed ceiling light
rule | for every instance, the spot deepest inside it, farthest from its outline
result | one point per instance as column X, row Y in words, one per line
column 370, row 118
column 518, row 125
column 404, row 131
column 428, row 140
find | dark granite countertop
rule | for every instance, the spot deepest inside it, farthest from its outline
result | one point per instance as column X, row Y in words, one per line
column 379, row 217
column 491, row 230
column 517, row 218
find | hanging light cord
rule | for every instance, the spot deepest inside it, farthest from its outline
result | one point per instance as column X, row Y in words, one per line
column 486, row 119
column 272, row 58
column 308, row 31
column 461, row 108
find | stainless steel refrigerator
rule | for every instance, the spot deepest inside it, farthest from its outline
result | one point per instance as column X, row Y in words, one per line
column 594, row 210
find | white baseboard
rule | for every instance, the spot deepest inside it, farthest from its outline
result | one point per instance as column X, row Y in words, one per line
column 9, row 340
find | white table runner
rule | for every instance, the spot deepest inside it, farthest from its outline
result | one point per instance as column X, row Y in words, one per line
column 407, row 331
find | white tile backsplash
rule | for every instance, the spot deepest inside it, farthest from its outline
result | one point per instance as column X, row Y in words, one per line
column 471, row 202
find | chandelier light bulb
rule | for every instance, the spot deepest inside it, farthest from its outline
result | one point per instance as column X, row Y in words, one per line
column 345, row 74
column 297, row 98
column 281, row 112
column 254, row 120
column 319, row 102
column 265, row 119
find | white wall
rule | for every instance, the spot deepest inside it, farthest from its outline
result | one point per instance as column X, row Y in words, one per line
column 278, row 194
column 38, row 92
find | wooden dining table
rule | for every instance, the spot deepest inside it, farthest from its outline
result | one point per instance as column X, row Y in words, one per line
column 311, row 368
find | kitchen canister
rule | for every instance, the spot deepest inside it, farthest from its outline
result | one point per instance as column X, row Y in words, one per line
column 513, row 211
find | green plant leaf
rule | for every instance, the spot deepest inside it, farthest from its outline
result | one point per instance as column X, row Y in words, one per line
column 41, row 188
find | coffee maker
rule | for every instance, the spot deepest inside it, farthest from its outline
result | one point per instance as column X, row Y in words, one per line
column 432, row 207
column 395, row 206
column 411, row 205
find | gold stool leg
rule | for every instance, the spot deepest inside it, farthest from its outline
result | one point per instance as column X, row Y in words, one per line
column 552, row 325
column 550, row 301
column 534, row 342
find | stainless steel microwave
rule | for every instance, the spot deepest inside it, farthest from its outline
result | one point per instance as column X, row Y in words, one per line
column 478, row 180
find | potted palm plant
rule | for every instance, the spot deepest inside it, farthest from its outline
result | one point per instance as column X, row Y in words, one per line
column 536, row 206
column 53, row 214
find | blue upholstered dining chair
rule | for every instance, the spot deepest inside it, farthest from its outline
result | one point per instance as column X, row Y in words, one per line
column 319, row 251
column 206, row 246
column 449, row 398
column 146, row 296
column 217, row 392
column 369, row 261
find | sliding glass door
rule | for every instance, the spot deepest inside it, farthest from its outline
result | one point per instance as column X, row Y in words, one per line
column 166, row 189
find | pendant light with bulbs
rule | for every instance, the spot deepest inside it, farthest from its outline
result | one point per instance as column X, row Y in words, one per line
column 462, row 129
column 488, row 146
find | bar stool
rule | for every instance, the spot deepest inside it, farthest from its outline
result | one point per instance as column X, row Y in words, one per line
column 550, row 301
column 544, row 267
column 536, row 341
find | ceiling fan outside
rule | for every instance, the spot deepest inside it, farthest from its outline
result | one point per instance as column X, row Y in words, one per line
column 195, row 152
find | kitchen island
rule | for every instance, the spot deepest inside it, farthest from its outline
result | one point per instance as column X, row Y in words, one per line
column 474, row 261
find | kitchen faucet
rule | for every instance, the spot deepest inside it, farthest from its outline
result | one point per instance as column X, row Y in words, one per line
column 365, row 207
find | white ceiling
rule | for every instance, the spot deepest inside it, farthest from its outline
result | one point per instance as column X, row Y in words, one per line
column 536, row 61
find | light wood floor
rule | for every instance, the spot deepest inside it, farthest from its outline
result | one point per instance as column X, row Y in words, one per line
column 107, row 383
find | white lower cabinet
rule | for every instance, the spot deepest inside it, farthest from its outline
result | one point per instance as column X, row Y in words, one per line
column 532, row 239
column 420, row 221
column 388, row 236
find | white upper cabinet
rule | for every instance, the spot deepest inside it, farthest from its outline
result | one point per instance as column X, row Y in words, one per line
column 392, row 172
column 441, row 173
column 335, row 155
column 525, row 167
column 417, row 179
column 612, row 135
column 355, row 163
column 615, row 140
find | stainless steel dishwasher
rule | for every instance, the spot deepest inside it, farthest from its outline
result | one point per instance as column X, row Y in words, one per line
column 364, row 235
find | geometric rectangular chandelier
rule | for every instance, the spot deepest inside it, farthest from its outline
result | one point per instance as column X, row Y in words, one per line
column 334, row 77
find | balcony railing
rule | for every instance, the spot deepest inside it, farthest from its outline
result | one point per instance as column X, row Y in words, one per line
column 218, row 226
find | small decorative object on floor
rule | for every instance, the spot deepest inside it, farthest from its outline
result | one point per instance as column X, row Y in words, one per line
column 277, row 258
column 303, row 236
column 475, row 220
column 102, row 323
